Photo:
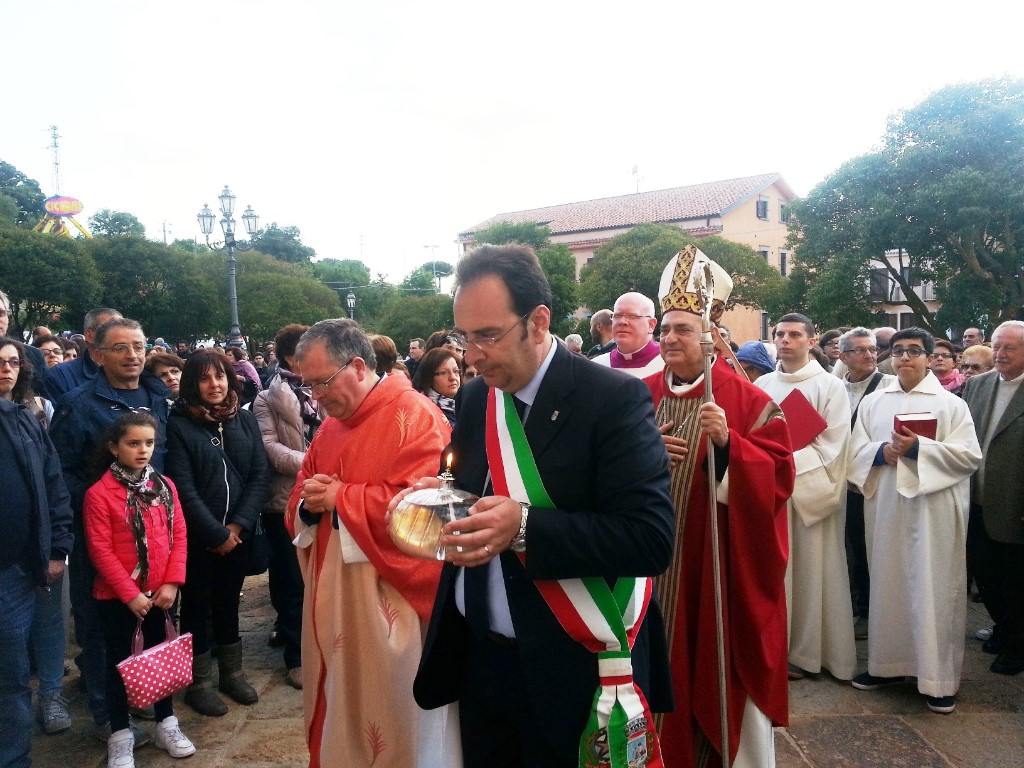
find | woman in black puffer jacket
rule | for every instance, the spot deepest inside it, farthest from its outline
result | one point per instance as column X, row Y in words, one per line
column 216, row 458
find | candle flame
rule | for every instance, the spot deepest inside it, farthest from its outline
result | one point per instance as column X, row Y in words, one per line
column 449, row 462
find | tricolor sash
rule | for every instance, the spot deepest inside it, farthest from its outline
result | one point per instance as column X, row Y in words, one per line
column 620, row 731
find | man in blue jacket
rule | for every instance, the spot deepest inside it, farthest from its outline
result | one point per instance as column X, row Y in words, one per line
column 80, row 418
column 32, row 553
column 74, row 373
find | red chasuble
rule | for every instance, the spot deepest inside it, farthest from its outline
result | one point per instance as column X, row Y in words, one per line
column 754, row 538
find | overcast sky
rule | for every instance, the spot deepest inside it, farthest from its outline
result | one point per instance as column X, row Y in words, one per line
column 380, row 128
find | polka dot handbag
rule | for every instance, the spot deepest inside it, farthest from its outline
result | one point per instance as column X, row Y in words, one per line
column 155, row 673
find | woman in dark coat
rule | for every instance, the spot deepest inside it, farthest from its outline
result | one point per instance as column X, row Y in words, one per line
column 216, row 458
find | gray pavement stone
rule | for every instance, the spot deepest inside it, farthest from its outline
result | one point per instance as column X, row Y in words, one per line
column 832, row 725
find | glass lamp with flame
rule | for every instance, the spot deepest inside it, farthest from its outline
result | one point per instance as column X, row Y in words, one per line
column 415, row 525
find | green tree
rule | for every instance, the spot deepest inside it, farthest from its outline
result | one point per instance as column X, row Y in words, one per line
column 269, row 301
column 946, row 188
column 419, row 282
column 341, row 274
column 160, row 286
column 9, row 211
column 189, row 245
column 632, row 261
column 410, row 317
column 756, row 283
column 283, row 243
column 106, row 222
column 527, row 233
column 44, row 276
column 372, row 302
column 557, row 261
column 25, row 192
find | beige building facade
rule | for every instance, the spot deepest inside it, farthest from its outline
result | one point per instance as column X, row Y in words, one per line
column 752, row 210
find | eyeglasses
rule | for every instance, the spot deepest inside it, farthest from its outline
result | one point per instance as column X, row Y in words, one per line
column 914, row 352
column 941, row 356
column 831, row 343
column 976, row 367
column 486, row 342
column 629, row 317
column 323, row 386
column 454, row 374
column 14, row 362
column 123, row 349
column 53, row 352
column 861, row 351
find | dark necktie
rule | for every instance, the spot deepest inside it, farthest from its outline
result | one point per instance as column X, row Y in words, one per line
column 476, row 578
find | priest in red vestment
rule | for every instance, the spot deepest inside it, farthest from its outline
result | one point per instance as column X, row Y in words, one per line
column 755, row 478
column 365, row 602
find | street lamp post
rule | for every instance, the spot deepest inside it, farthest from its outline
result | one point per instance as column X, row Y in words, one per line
column 251, row 221
column 351, row 301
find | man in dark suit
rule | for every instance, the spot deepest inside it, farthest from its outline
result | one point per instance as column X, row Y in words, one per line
column 995, row 534
column 525, row 687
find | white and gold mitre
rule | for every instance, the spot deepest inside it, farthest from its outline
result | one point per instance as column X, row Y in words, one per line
column 682, row 279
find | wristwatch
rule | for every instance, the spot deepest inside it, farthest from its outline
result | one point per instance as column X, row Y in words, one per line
column 519, row 542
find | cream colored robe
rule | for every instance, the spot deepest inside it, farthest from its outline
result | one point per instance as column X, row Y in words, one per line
column 820, row 611
column 916, row 519
column 365, row 602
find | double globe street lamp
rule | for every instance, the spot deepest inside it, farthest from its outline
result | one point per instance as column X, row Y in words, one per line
column 251, row 221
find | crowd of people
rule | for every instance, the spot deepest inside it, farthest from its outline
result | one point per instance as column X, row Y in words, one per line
column 857, row 481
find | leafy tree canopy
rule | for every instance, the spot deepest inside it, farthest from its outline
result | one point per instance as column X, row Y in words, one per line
column 341, row 273
column 420, row 282
column 557, row 261
column 189, row 245
column 45, row 277
column 26, row 194
column 106, row 222
column 283, row 243
column 632, row 261
column 527, row 233
column 410, row 317
column 947, row 186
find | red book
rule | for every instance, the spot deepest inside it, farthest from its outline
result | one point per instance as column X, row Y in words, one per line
column 804, row 422
column 921, row 424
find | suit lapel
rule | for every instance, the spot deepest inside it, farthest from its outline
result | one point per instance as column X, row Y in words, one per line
column 1013, row 411
column 551, row 408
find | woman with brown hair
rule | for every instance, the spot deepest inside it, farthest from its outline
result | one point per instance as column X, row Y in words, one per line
column 439, row 376
column 215, row 456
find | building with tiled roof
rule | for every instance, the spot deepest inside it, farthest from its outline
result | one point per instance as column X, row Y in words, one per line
column 751, row 210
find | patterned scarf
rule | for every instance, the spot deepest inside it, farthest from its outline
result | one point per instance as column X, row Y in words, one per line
column 307, row 410
column 215, row 413
column 143, row 491
column 446, row 404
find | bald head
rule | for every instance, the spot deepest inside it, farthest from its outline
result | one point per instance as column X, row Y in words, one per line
column 633, row 322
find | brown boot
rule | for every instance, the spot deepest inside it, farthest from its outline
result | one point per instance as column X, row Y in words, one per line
column 232, row 679
column 200, row 695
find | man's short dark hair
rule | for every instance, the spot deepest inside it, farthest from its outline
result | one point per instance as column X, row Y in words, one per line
column 914, row 334
column 516, row 266
column 417, row 341
column 796, row 317
column 94, row 317
column 343, row 340
column 285, row 342
column 111, row 324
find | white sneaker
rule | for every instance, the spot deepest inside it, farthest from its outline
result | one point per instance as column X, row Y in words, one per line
column 120, row 749
column 985, row 633
column 170, row 738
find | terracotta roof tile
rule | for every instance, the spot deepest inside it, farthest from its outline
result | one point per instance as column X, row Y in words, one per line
column 680, row 203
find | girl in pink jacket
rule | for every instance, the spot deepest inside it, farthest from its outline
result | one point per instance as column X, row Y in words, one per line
column 135, row 532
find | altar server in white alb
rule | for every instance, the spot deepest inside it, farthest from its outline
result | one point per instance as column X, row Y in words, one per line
column 817, row 583
column 916, row 501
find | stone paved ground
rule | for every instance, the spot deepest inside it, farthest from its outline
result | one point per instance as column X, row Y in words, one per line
column 832, row 725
